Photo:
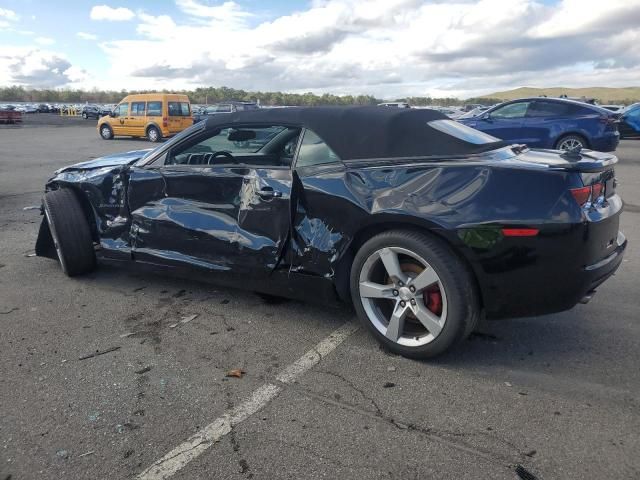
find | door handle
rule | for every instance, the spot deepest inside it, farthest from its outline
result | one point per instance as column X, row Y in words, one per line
column 269, row 192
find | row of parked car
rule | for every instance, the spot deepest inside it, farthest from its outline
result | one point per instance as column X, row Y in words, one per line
column 540, row 122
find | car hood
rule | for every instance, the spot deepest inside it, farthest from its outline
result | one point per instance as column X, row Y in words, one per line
column 126, row 158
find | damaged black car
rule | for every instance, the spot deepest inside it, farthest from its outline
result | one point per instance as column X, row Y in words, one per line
column 422, row 223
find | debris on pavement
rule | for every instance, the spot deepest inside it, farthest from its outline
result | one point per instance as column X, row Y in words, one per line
column 128, row 334
column 236, row 372
column 389, row 385
column 508, row 384
column 391, row 369
column 98, row 352
column 524, row 474
column 144, row 370
column 62, row 454
column 90, row 452
column 188, row 318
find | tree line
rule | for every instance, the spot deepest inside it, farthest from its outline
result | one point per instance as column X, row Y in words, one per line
column 210, row 95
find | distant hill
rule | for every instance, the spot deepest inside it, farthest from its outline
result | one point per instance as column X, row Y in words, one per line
column 603, row 95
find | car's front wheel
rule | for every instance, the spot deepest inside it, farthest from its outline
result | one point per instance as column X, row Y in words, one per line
column 85, row 116
column 106, row 132
column 413, row 293
column 70, row 232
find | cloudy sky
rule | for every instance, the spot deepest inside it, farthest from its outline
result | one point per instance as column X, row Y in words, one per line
column 388, row 48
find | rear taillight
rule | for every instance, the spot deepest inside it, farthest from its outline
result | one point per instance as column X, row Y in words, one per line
column 586, row 195
column 597, row 189
column 610, row 122
column 165, row 122
column 520, row 232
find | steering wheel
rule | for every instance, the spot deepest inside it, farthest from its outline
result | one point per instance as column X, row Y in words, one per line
column 222, row 153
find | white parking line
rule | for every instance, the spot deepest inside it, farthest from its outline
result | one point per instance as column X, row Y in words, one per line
column 198, row 443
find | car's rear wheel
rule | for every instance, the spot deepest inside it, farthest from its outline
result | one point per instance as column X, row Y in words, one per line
column 106, row 132
column 153, row 134
column 571, row 142
column 413, row 293
column 70, row 232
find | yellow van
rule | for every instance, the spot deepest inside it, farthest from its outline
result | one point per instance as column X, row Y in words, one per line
column 151, row 115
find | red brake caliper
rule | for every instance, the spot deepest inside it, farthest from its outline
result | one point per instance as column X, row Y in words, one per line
column 433, row 301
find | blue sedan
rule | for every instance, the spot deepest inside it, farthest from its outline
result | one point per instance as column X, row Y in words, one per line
column 550, row 123
column 630, row 121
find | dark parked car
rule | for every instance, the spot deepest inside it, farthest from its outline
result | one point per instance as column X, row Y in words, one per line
column 421, row 222
column 550, row 123
column 630, row 122
column 91, row 111
column 225, row 107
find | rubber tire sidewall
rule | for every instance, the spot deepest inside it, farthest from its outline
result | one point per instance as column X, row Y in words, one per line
column 110, row 130
column 158, row 137
column 70, row 231
column 463, row 308
column 580, row 138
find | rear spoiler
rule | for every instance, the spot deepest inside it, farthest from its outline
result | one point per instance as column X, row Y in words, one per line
column 588, row 160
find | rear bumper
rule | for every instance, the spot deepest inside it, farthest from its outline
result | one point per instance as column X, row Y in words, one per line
column 544, row 287
column 596, row 274
column 606, row 143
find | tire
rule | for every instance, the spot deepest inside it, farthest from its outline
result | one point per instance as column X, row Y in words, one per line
column 153, row 135
column 85, row 116
column 568, row 142
column 445, row 298
column 70, row 232
column 105, row 132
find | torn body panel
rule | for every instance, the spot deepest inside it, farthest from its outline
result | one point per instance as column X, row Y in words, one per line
column 216, row 218
column 102, row 185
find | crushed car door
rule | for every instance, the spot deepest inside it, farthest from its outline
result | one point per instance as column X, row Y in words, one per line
column 209, row 205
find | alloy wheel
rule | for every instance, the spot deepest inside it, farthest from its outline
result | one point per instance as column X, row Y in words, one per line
column 570, row 144
column 403, row 296
column 153, row 135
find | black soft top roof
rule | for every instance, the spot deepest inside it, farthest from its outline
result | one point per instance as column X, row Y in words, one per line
column 363, row 132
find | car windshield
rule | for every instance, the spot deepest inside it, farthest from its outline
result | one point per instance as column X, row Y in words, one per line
column 462, row 132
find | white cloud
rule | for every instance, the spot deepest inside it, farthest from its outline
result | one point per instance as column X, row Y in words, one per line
column 44, row 40
column 8, row 14
column 228, row 12
column 105, row 12
column 7, row 17
column 87, row 36
column 33, row 67
column 389, row 48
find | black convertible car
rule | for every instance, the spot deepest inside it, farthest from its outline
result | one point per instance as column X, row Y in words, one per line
column 423, row 223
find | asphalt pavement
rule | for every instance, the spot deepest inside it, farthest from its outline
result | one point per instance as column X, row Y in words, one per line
column 124, row 375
